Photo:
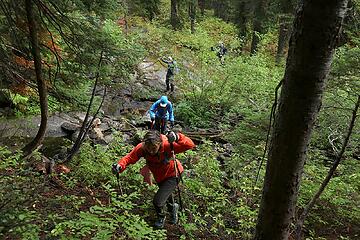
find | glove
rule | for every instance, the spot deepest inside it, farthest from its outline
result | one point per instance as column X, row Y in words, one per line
column 172, row 137
column 152, row 119
column 172, row 124
column 116, row 168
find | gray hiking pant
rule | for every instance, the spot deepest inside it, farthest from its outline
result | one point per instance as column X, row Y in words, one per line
column 165, row 196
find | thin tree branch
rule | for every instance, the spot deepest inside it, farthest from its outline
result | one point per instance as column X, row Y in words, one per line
column 272, row 117
column 82, row 132
column 300, row 222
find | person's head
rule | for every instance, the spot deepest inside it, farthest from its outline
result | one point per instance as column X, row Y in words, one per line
column 152, row 142
column 170, row 58
column 164, row 101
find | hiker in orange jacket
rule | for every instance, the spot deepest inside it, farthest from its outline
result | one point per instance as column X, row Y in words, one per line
column 157, row 150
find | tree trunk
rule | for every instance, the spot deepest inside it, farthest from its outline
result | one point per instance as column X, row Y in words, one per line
column 201, row 4
column 284, row 35
column 300, row 222
column 192, row 15
column 39, row 79
column 287, row 8
column 174, row 18
column 241, row 19
column 259, row 18
column 316, row 28
column 220, row 9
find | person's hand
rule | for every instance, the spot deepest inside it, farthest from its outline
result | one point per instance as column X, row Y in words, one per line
column 172, row 137
column 172, row 124
column 116, row 168
column 152, row 119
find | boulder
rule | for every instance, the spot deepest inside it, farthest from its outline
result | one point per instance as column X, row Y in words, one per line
column 70, row 127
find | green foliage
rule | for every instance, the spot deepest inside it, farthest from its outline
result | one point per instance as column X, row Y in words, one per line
column 91, row 164
column 145, row 8
column 212, row 208
column 337, row 205
column 19, row 191
column 101, row 222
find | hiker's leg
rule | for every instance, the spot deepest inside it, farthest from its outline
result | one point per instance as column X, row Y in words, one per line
column 163, row 126
column 166, row 188
column 167, row 82
column 173, row 208
column 171, row 83
column 157, row 124
column 170, row 203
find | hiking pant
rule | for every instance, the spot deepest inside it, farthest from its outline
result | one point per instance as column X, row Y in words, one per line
column 160, row 124
column 169, row 82
column 165, row 196
column 221, row 58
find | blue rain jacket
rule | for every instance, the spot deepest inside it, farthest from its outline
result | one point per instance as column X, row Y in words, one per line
column 160, row 112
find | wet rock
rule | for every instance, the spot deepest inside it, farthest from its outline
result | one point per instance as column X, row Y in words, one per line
column 70, row 127
column 108, row 125
column 61, row 155
column 96, row 134
column 127, row 137
column 75, row 135
column 109, row 138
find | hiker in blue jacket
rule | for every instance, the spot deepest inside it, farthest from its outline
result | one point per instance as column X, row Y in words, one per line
column 161, row 112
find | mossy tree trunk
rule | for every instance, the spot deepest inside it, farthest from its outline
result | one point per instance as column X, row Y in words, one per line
column 317, row 26
column 259, row 19
column 192, row 14
column 41, row 85
column 174, row 17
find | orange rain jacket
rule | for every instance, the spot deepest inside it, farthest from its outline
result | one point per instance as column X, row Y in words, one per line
column 161, row 165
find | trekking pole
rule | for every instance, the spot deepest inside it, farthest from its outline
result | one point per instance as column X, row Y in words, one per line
column 177, row 175
column 152, row 64
column 118, row 181
column 152, row 125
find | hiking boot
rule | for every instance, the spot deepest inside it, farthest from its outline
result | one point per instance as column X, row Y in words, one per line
column 160, row 222
column 174, row 214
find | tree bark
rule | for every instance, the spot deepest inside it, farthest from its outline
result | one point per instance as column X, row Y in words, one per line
column 35, row 50
column 242, row 18
column 284, row 35
column 220, row 9
column 287, row 8
column 259, row 18
column 316, row 27
column 201, row 4
column 300, row 222
column 192, row 15
column 174, row 18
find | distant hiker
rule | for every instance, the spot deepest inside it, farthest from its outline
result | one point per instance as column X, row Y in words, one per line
column 221, row 51
column 161, row 112
column 157, row 150
column 172, row 69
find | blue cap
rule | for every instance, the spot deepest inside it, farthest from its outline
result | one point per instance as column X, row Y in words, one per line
column 163, row 101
